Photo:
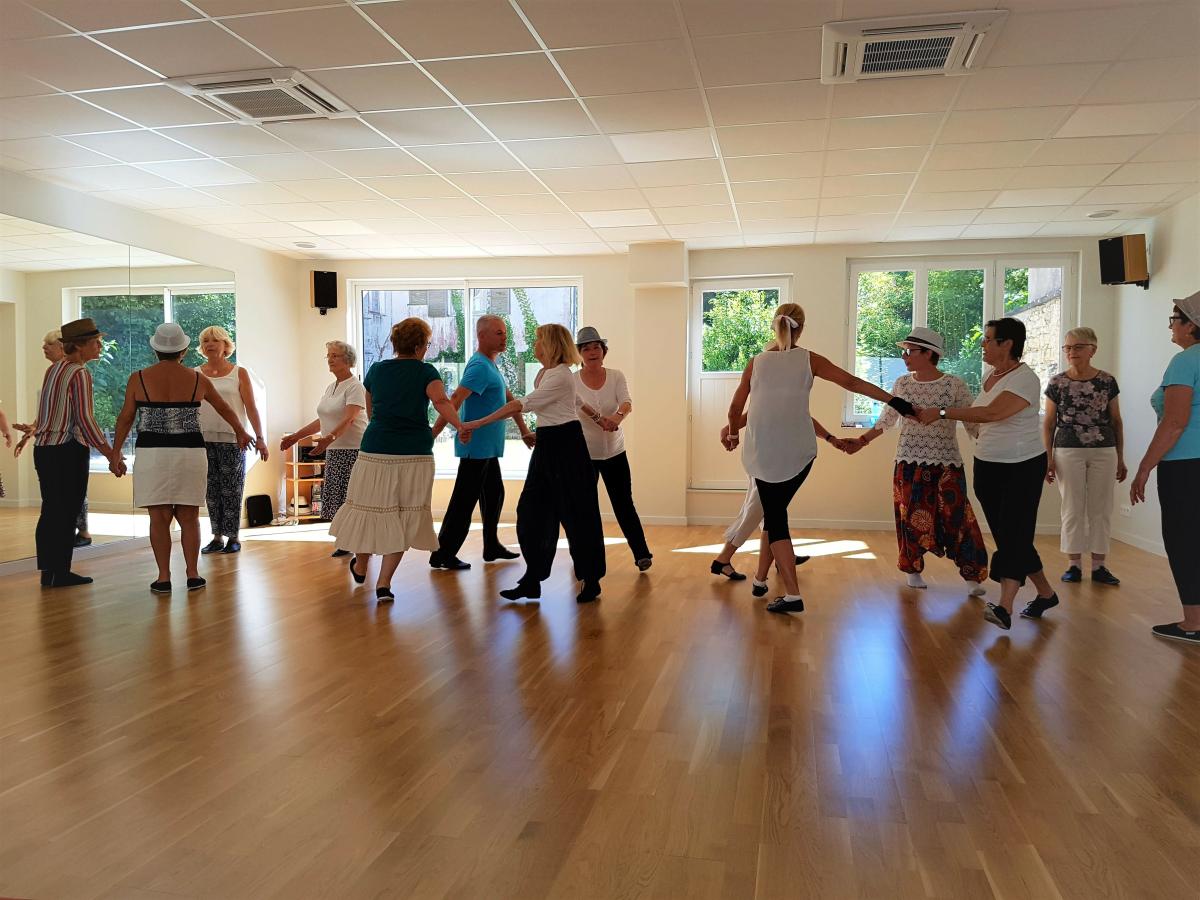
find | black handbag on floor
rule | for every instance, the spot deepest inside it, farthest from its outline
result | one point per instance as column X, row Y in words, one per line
column 259, row 510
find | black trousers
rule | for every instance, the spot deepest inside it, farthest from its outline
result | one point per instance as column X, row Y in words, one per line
column 478, row 481
column 619, row 484
column 1179, row 498
column 560, row 489
column 775, row 497
column 62, row 472
column 1009, row 494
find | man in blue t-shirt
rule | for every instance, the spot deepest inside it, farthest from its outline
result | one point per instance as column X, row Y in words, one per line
column 480, row 392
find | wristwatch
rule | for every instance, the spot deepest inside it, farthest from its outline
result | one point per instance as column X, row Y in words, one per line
column 942, row 413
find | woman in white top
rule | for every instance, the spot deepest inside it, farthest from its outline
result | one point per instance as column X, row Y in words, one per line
column 1010, row 466
column 341, row 420
column 560, row 487
column 929, row 484
column 226, row 460
column 781, row 443
column 604, row 405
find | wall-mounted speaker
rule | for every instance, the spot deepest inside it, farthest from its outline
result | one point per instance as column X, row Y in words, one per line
column 1123, row 260
column 324, row 291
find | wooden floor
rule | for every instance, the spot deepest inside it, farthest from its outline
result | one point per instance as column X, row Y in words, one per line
column 279, row 735
column 18, row 524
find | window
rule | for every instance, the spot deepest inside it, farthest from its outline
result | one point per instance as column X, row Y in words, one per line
column 128, row 320
column 452, row 309
column 736, row 326
column 954, row 298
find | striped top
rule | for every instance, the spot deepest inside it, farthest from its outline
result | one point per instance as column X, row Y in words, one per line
column 65, row 407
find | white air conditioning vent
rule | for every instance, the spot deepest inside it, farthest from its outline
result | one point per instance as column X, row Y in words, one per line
column 934, row 44
column 264, row 95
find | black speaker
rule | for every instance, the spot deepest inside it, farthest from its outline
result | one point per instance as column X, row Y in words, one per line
column 259, row 510
column 1123, row 260
column 324, row 291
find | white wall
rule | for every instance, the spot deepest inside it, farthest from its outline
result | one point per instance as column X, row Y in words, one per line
column 12, row 373
column 1144, row 348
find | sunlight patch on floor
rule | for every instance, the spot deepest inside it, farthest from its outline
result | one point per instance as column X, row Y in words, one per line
column 806, row 546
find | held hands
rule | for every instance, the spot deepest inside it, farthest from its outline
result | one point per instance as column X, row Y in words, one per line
column 464, row 434
column 287, row 442
column 321, row 444
column 927, row 416
column 530, row 439
column 116, row 463
column 608, row 423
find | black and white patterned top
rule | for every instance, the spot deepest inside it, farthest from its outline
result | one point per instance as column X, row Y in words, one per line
column 1082, row 417
column 169, row 424
column 935, row 444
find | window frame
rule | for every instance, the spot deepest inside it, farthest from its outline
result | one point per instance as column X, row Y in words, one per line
column 993, row 266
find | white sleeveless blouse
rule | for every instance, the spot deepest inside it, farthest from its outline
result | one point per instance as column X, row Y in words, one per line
column 780, row 439
column 215, row 429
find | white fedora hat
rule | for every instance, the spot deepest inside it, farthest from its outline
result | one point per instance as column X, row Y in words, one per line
column 169, row 338
column 924, row 339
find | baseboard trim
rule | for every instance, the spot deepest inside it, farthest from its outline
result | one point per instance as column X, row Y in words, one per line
column 1155, row 547
column 95, row 551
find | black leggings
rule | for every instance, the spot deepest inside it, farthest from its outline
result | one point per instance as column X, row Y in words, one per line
column 1179, row 498
column 62, row 471
column 619, row 484
column 478, row 481
column 775, row 497
column 1009, row 494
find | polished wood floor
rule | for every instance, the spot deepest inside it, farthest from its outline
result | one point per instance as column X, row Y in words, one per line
column 18, row 525
column 279, row 735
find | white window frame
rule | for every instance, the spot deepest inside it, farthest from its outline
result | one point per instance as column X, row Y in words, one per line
column 993, row 266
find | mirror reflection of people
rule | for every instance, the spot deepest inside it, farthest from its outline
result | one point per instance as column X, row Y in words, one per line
column 226, row 460
column 8, row 442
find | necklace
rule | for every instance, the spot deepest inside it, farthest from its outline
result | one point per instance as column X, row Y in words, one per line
column 1005, row 372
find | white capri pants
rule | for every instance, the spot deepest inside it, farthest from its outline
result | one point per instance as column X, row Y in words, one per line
column 749, row 518
column 1086, row 479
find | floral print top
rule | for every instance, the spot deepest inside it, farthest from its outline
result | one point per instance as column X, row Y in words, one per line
column 1083, row 418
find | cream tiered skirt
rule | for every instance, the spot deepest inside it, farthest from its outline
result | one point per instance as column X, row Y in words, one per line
column 387, row 508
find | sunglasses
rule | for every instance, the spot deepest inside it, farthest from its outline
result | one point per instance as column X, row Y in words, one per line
column 909, row 351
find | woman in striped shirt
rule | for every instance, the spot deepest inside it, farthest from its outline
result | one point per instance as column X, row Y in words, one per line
column 65, row 429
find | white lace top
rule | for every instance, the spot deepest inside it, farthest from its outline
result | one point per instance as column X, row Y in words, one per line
column 929, row 445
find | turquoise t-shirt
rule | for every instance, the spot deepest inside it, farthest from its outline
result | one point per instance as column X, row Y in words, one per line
column 399, row 408
column 488, row 393
column 1184, row 369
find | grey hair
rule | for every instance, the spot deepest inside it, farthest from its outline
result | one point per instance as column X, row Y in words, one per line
column 1085, row 334
column 345, row 349
column 52, row 337
column 486, row 320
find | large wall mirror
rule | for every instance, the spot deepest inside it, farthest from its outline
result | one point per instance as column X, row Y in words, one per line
column 49, row 276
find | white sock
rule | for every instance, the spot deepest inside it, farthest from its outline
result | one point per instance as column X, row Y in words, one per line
column 757, row 583
column 978, row 591
column 916, row 581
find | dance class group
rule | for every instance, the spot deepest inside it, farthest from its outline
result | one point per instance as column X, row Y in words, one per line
column 193, row 430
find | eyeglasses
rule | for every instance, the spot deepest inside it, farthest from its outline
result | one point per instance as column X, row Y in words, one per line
column 909, row 351
column 1171, row 320
column 1076, row 348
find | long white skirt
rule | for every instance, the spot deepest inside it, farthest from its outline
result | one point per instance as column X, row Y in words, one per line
column 170, row 476
column 387, row 508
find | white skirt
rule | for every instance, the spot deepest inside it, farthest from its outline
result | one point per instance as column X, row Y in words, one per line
column 387, row 508
column 170, row 476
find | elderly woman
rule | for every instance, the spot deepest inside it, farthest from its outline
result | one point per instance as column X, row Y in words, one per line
column 170, row 469
column 52, row 349
column 64, row 430
column 605, row 405
column 341, row 420
column 1175, row 451
column 560, row 488
column 388, row 501
column 1084, row 437
column 226, row 459
column 1010, row 465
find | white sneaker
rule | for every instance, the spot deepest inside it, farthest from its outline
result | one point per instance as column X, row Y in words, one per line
column 916, row 581
column 978, row 591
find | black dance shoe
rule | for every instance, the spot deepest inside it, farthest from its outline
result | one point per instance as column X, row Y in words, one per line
column 358, row 579
column 786, row 605
column 644, row 564
column 67, row 579
column 1101, row 575
column 589, row 592
column 338, row 553
column 491, row 554
column 530, row 590
column 194, row 584
column 998, row 616
column 726, row 569
column 232, row 547
column 160, row 587
column 216, row 545
column 384, row 595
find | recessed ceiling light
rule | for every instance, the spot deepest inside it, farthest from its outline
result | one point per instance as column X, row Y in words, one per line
column 306, row 245
column 1102, row 214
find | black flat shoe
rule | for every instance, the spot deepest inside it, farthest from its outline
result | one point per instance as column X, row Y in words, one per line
column 644, row 564
column 784, row 605
column 384, row 595
column 336, row 553
column 160, row 587
column 801, row 560
column 358, row 579
column 194, row 584
column 1038, row 605
column 494, row 553
column 47, row 579
column 759, row 589
column 83, row 542
column 590, row 591
column 232, row 547
column 998, row 616
column 726, row 569
column 1101, row 575
column 216, row 545
column 1073, row 575
column 523, row 591
column 67, row 579
column 1173, row 632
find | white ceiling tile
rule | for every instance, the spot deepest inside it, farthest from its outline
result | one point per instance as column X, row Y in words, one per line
column 495, row 238
column 493, row 184
column 450, row 158
column 882, row 131
column 717, row 17
column 365, row 210
column 777, row 209
column 756, row 140
column 1000, row 88
column 576, row 235
column 170, row 198
column 702, row 229
column 135, row 146
column 72, row 64
column 1131, row 193
column 676, row 172
column 691, row 215
column 405, row 187
column 583, row 249
column 1086, row 151
column 583, row 22
column 231, row 139
column 190, row 49
column 1171, row 31
column 500, row 79
column 318, row 189
column 579, row 151
column 622, row 218
column 875, row 162
column 416, row 127
column 766, row 103
column 759, row 58
column 244, row 194
column 1188, row 124
column 104, row 178
column 963, row 180
column 382, row 87
column 198, row 172
column 22, row 22
column 1060, row 176
column 852, row 206
column 1064, row 37
column 283, row 167
column 1170, row 148
column 328, row 134
column 1148, row 79
column 334, row 227
column 13, row 84
column 523, row 204
column 1131, row 118
column 402, row 226
column 926, row 233
column 938, row 217
column 316, row 38
column 780, row 240
column 846, row 223
column 781, row 165
column 949, row 200
column 1039, row 197
column 687, row 195
column 652, row 66
column 1135, row 210
column 592, row 178
column 427, row 30
column 1013, row 230
column 1013, row 214
column 385, row 161
column 714, row 243
column 862, row 185
column 1000, row 155
column 1076, row 229
column 986, row 125
column 89, row 16
column 593, row 201
column 778, row 226
column 51, row 153
column 634, row 233
column 156, row 106
column 791, row 189
column 534, row 221
column 224, row 215
column 886, row 97
column 54, row 114
column 657, row 146
column 649, row 111
column 294, row 212
column 545, row 119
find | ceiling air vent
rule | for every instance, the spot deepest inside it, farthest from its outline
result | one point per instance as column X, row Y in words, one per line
column 264, row 95
column 934, row 44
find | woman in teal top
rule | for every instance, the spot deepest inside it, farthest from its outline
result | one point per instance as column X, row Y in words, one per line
column 387, row 508
column 1175, row 450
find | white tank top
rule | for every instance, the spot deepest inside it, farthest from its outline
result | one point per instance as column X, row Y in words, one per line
column 780, row 439
column 215, row 429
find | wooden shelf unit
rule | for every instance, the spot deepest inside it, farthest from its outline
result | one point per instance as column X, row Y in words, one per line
column 299, row 479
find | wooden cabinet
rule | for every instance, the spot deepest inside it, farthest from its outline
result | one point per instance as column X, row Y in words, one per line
column 302, row 479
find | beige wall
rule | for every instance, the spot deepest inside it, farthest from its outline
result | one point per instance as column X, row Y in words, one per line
column 12, row 373
column 1143, row 349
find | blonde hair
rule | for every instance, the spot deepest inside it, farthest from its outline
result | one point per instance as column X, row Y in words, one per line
column 53, row 337
column 559, row 344
column 216, row 331
column 785, row 335
column 409, row 334
column 1085, row 334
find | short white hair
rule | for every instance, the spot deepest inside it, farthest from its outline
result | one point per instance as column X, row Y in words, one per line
column 486, row 321
column 348, row 352
column 1084, row 334
column 217, row 333
column 53, row 337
